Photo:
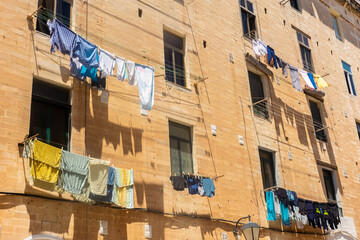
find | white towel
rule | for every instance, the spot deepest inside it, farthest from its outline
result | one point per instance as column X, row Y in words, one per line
column 130, row 66
column 305, row 76
column 121, row 68
column 106, row 63
column 145, row 78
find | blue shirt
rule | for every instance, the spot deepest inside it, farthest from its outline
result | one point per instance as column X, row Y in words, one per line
column 86, row 51
column 209, row 187
column 61, row 37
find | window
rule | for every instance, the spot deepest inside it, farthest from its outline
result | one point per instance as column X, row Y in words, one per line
column 50, row 114
column 349, row 78
column 295, row 4
column 180, row 149
column 174, row 58
column 358, row 129
column 335, row 23
column 317, row 121
column 248, row 18
column 305, row 51
column 329, row 185
column 62, row 8
column 267, row 168
column 257, row 95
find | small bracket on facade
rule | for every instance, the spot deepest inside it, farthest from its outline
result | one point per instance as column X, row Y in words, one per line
column 201, row 80
column 283, row 2
column 29, row 17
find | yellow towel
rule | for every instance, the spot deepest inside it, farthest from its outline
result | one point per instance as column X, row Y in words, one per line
column 320, row 82
column 45, row 162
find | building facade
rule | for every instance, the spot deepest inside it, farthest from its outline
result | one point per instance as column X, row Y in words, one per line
column 218, row 111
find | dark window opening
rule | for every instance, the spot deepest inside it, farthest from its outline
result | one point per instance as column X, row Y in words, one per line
column 180, row 149
column 295, row 4
column 267, row 169
column 317, row 121
column 257, row 95
column 358, row 129
column 329, row 185
column 50, row 114
column 61, row 9
column 305, row 51
column 248, row 19
column 335, row 23
column 349, row 78
column 174, row 59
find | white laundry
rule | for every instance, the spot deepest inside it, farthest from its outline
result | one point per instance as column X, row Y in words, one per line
column 121, row 68
column 145, row 79
column 262, row 47
column 256, row 48
column 305, row 76
column 130, row 66
column 106, row 63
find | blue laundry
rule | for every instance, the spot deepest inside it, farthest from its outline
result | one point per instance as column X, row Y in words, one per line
column 284, row 214
column 110, row 188
column 272, row 58
column 92, row 73
column 86, row 51
column 193, row 185
column 209, row 187
column 75, row 68
column 61, row 37
column 271, row 216
column 311, row 76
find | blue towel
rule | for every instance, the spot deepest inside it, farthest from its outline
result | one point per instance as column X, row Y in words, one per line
column 86, row 51
column 284, row 214
column 110, row 188
column 193, row 185
column 311, row 76
column 61, row 37
column 271, row 216
column 209, row 187
column 92, row 73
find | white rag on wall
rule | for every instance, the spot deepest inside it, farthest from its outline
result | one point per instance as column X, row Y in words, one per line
column 145, row 78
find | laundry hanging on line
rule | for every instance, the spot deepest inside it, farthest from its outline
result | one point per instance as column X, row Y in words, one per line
column 86, row 58
column 203, row 186
column 88, row 180
column 301, row 211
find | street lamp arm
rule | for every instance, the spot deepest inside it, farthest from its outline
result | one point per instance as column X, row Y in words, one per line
column 238, row 221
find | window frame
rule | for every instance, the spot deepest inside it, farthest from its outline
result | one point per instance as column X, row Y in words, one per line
column 70, row 2
column 264, row 113
column 306, row 46
column 335, row 20
column 173, row 50
column 323, row 134
column 248, row 12
column 54, row 103
column 297, row 3
column 335, row 186
column 178, row 140
column 273, row 164
column 349, row 79
column 357, row 124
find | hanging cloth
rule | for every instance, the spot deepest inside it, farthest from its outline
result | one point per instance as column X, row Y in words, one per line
column 295, row 78
column 45, row 162
column 130, row 66
column 75, row 69
column 121, row 68
column 145, row 78
column 74, row 171
column 262, row 47
column 209, row 187
column 110, row 187
column 320, row 82
column 285, row 69
column 123, row 193
column 271, row 216
column 84, row 195
column 106, row 63
column 306, row 78
column 98, row 176
column 61, row 37
column 256, row 48
column 86, row 51
column 311, row 77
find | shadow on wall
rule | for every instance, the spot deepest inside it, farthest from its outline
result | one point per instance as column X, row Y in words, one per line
column 304, row 123
column 348, row 32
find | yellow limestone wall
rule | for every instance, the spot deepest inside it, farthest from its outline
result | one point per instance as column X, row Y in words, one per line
column 118, row 132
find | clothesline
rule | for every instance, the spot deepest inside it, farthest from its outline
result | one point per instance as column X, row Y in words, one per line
column 43, row 17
